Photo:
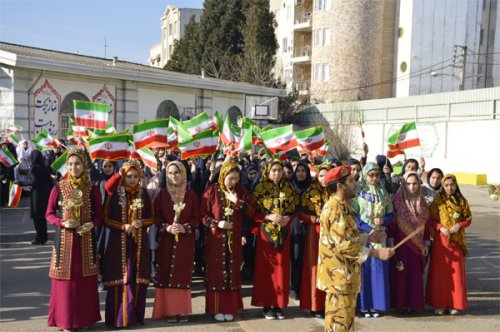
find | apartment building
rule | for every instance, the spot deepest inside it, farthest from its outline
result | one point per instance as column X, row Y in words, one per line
column 173, row 22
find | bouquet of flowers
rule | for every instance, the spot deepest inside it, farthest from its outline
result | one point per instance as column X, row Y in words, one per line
column 178, row 209
column 228, row 213
column 135, row 208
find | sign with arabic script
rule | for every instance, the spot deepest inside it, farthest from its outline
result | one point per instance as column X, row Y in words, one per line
column 106, row 97
column 46, row 109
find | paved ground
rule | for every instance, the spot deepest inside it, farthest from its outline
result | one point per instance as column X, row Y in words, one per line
column 25, row 286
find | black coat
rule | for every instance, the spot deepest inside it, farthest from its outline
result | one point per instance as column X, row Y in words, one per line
column 41, row 183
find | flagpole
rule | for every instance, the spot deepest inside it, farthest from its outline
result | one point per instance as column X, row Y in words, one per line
column 419, row 145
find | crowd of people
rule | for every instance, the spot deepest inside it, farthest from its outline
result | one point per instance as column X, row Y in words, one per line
column 320, row 238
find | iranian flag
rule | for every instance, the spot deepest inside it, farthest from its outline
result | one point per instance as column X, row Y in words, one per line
column 113, row 147
column 245, row 143
column 12, row 139
column 96, row 133
column 7, row 158
column 323, row 151
column 313, row 170
column 45, row 140
column 150, row 134
column 91, row 115
column 149, row 158
column 227, row 135
column 15, row 192
column 78, row 130
column 199, row 123
column 393, row 151
column 14, row 129
column 218, row 122
column 202, row 144
column 406, row 137
column 60, row 164
column 310, row 139
column 279, row 139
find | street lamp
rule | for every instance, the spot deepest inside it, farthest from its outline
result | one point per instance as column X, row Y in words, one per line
column 461, row 78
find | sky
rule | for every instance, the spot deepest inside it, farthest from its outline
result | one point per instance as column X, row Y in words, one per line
column 130, row 27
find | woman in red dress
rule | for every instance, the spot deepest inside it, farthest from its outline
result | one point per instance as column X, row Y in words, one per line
column 450, row 215
column 312, row 202
column 224, row 205
column 74, row 299
column 276, row 204
column 177, row 215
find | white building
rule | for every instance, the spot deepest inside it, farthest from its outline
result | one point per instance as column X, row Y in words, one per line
column 173, row 22
column 427, row 59
column 38, row 86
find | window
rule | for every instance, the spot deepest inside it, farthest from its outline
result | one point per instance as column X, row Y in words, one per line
column 317, row 37
column 327, row 4
column 323, row 5
column 317, row 72
column 68, row 111
column 325, row 72
column 318, row 5
column 326, row 36
column 284, row 45
column 288, row 12
column 288, row 75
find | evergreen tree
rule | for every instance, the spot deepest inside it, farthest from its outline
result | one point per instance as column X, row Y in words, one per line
column 260, row 44
column 220, row 35
column 186, row 57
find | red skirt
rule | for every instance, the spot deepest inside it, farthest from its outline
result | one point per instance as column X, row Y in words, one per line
column 224, row 302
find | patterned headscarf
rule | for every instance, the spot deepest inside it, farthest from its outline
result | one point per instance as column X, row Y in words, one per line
column 315, row 197
column 226, row 169
column 82, row 180
column 411, row 210
column 126, row 167
column 372, row 200
column 177, row 192
column 449, row 210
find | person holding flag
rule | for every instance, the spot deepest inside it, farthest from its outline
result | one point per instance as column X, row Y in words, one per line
column 74, row 299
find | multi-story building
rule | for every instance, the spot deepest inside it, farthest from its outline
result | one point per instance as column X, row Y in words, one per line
column 342, row 50
column 331, row 50
column 173, row 22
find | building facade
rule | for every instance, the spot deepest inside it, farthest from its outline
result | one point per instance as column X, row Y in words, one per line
column 38, row 86
column 173, row 22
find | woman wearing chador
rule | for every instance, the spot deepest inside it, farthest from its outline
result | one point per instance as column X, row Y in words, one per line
column 276, row 203
column 450, row 215
column 74, row 299
column 312, row 202
column 177, row 215
column 126, row 263
column 223, row 208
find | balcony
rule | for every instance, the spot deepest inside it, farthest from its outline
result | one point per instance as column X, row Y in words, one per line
column 303, row 21
column 301, row 55
column 302, row 87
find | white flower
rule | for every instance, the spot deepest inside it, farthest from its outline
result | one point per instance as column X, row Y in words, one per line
column 282, row 196
column 228, row 212
column 136, row 204
column 456, row 215
column 179, row 207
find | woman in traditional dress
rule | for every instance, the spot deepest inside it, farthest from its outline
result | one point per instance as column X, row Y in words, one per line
column 74, row 299
column 312, row 202
column 223, row 207
column 450, row 215
column 277, row 203
column 177, row 215
column 126, row 262
column 374, row 212
column 407, row 268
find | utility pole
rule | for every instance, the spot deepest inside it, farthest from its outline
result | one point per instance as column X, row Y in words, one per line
column 105, row 47
column 463, row 57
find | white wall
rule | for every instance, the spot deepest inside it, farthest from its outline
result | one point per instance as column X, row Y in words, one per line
column 221, row 102
column 150, row 98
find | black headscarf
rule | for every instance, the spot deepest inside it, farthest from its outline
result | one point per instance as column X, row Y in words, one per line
column 301, row 186
column 438, row 170
column 411, row 160
column 381, row 160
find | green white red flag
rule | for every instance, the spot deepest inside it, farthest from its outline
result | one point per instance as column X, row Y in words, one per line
column 199, row 123
column 227, row 135
column 113, row 147
column 15, row 192
column 45, row 140
column 310, row 139
column 78, row 130
column 60, row 164
column 323, row 151
column 201, row 145
column 150, row 134
column 406, row 137
column 7, row 158
column 218, row 122
column 14, row 129
column 393, row 151
column 280, row 139
column 145, row 154
column 96, row 133
column 12, row 139
column 91, row 114
column 245, row 142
